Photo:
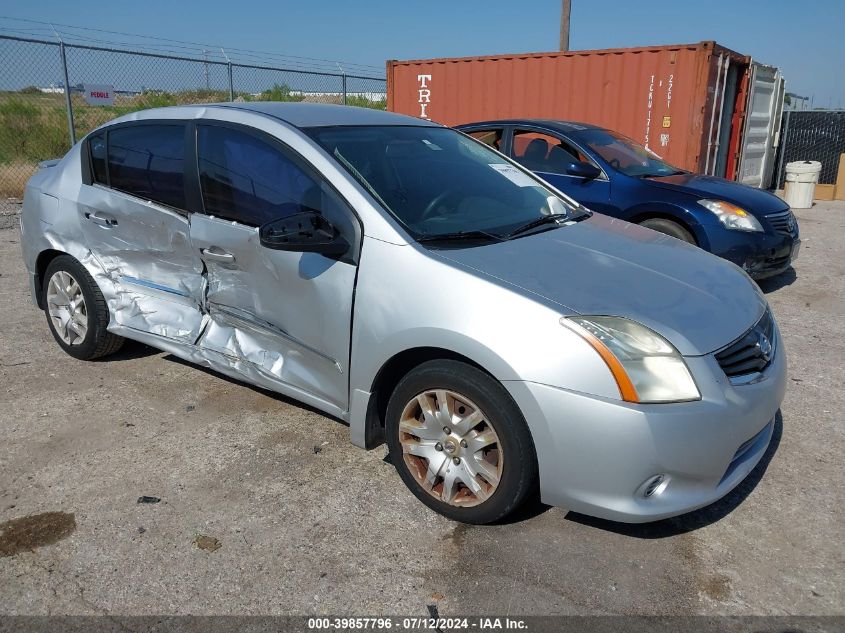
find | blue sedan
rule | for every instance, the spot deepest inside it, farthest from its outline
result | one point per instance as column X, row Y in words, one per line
column 612, row 174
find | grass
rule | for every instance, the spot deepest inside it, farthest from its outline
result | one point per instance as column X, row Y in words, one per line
column 33, row 124
column 13, row 177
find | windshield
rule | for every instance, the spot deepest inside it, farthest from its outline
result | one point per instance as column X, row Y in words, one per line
column 624, row 155
column 437, row 182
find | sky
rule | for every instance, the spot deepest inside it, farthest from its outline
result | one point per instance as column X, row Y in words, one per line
column 805, row 39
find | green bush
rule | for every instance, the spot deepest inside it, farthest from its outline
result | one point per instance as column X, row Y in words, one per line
column 279, row 93
column 29, row 133
column 363, row 102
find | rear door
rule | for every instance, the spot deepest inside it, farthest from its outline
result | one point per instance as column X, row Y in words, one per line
column 284, row 317
column 548, row 155
column 132, row 213
column 762, row 126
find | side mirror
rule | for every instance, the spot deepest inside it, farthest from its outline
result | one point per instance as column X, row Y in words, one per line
column 305, row 232
column 583, row 170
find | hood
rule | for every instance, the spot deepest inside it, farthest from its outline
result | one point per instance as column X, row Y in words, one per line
column 605, row 266
column 755, row 201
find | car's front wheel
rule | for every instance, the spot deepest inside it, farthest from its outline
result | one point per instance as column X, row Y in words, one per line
column 76, row 310
column 460, row 443
column 669, row 227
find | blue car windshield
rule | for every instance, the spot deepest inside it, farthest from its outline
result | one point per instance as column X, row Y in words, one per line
column 438, row 182
column 626, row 156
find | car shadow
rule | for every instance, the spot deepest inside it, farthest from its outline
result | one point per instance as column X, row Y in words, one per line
column 130, row 350
column 698, row 518
column 786, row 278
column 530, row 508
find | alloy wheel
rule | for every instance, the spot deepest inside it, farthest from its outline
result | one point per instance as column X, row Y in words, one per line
column 450, row 447
column 66, row 307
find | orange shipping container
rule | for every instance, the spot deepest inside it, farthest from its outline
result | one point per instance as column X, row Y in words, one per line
column 686, row 103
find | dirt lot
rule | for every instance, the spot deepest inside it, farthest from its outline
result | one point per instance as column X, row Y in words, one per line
column 299, row 521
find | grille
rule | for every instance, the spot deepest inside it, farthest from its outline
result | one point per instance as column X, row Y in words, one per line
column 782, row 221
column 752, row 352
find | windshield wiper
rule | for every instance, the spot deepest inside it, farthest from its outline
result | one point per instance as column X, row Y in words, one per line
column 555, row 218
column 670, row 173
column 460, row 236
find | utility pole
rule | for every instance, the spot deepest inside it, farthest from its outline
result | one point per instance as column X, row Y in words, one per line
column 565, row 8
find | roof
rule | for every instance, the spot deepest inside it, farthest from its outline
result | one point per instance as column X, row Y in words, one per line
column 706, row 45
column 554, row 124
column 305, row 115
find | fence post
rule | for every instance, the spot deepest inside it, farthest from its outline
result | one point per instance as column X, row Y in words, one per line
column 68, row 103
column 782, row 142
column 344, row 88
column 231, row 84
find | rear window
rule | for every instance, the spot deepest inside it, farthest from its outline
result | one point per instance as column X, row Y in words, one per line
column 148, row 161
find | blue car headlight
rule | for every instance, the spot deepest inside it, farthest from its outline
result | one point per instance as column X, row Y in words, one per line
column 731, row 216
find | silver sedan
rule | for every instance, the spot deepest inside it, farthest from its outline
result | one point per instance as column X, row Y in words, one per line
column 411, row 281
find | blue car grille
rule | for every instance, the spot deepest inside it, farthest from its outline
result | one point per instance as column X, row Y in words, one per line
column 783, row 222
column 752, row 352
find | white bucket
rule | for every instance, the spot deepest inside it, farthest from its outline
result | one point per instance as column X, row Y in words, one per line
column 801, row 179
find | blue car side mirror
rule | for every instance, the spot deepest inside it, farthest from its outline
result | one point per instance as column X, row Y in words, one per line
column 583, row 170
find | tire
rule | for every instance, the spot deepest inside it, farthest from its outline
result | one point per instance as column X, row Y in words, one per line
column 669, row 227
column 94, row 341
column 503, row 473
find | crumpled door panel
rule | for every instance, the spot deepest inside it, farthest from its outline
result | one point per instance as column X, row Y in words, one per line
column 286, row 314
column 239, row 337
column 156, row 281
column 158, row 310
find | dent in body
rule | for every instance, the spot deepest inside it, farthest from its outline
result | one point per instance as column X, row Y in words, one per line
column 289, row 306
column 159, row 291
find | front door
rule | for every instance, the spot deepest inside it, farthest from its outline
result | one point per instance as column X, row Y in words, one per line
column 134, row 221
column 548, row 156
column 284, row 317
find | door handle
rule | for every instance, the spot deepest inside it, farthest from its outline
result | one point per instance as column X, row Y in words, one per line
column 101, row 220
column 218, row 255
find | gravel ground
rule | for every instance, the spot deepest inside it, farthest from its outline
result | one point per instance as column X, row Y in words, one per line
column 10, row 209
column 265, row 507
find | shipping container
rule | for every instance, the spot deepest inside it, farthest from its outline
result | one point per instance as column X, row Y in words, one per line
column 702, row 107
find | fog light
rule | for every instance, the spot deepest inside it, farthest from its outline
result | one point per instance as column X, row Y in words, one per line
column 654, row 486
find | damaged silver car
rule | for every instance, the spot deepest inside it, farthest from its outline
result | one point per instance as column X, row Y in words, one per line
column 407, row 279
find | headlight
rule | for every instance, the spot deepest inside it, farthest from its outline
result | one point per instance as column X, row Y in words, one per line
column 646, row 367
column 732, row 216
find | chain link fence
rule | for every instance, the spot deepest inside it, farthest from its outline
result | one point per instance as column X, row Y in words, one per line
column 812, row 135
column 40, row 120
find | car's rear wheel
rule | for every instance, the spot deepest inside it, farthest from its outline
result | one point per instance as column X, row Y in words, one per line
column 460, row 443
column 669, row 227
column 76, row 310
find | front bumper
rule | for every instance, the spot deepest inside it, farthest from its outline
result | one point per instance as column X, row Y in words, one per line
column 595, row 455
column 759, row 254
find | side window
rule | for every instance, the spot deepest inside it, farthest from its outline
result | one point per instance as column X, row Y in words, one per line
column 148, row 161
column 493, row 138
column 248, row 180
column 545, row 153
column 97, row 148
